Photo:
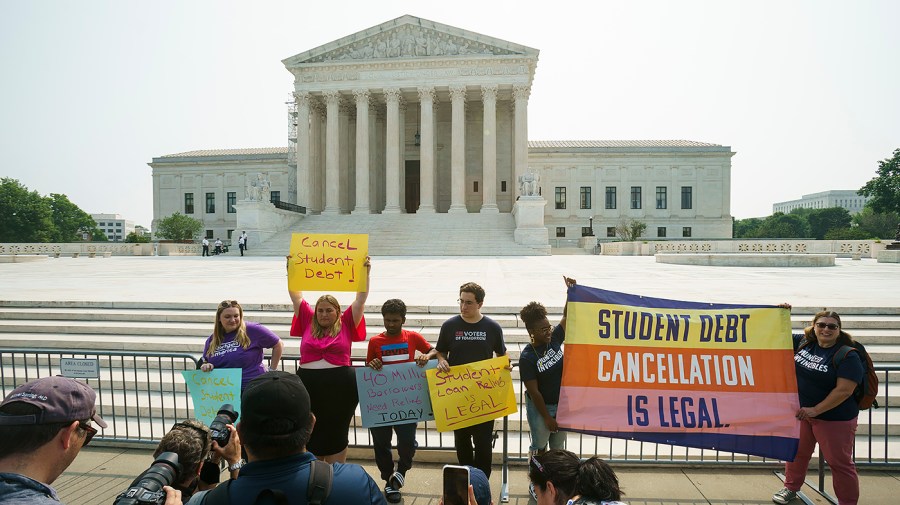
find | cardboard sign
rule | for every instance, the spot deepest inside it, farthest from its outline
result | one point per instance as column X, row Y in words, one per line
column 210, row 390
column 325, row 262
column 471, row 394
column 396, row 394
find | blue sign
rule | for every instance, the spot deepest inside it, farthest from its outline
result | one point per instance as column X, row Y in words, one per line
column 396, row 394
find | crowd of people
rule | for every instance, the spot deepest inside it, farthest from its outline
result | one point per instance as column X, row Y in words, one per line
column 292, row 435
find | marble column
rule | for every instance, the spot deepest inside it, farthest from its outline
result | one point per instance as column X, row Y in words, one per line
column 392, row 152
column 332, row 152
column 489, row 157
column 520, row 135
column 401, row 138
column 362, row 151
column 426, row 151
column 316, row 135
column 303, row 174
column 374, row 156
column 458, row 150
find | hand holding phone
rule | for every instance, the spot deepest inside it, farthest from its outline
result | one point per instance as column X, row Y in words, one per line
column 456, row 485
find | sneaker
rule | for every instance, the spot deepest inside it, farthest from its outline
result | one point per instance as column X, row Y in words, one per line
column 392, row 494
column 784, row 496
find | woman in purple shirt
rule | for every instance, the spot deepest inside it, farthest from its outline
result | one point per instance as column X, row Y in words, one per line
column 236, row 343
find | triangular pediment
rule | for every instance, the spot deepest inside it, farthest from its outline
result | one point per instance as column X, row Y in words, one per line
column 409, row 37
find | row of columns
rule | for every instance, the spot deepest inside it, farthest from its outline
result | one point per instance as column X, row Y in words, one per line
column 393, row 128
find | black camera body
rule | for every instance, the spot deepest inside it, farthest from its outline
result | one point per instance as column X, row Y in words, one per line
column 217, row 429
column 147, row 488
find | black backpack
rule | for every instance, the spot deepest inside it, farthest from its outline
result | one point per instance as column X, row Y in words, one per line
column 321, row 474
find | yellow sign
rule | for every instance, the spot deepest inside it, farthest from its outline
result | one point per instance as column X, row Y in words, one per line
column 324, row 262
column 471, row 394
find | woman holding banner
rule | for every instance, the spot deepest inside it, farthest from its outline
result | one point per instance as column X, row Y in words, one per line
column 235, row 343
column 828, row 410
column 325, row 346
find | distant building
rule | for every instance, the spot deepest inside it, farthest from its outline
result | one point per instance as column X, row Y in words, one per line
column 846, row 198
column 114, row 226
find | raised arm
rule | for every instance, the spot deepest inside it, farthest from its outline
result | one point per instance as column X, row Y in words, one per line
column 569, row 283
column 296, row 296
column 359, row 304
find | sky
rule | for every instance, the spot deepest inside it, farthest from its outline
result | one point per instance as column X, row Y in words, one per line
column 807, row 93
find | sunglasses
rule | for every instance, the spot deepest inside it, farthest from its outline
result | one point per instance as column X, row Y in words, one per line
column 90, row 430
column 228, row 303
column 830, row 326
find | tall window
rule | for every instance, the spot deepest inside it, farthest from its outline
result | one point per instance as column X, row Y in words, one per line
column 585, row 197
column 560, row 197
column 610, row 197
column 503, row 186
column 560, row 231
column 229, row 234
column 686, row 231
column 661, row 197
column 661, row 231
column 188, row 203
column 687, row 197
column 635, row 197
column 610, row 231
column 275, row 196
column 209, row 234
column 586, row 231
column 210, row 203
column 232, row 199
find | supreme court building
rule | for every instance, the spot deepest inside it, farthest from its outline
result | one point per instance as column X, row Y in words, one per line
column 416, row 117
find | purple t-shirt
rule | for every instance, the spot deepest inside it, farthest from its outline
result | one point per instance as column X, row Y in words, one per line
column 230, row 354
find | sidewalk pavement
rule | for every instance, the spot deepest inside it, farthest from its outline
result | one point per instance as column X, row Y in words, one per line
column 100, row 473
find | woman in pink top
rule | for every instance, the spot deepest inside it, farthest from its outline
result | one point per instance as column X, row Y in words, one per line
column 326, row 337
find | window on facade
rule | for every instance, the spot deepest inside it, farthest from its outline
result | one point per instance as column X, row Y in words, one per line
column 610, row 197
column 118, row 225
column 475, row 187
column 585, row 231
column 229, row 234
column 560, row 231
column 188, row 203
column 686, row 231
column 635, row 197
column 661, row 231
column 209, row 234
column 560, row 197
column 275, row 196
column 231, row 198
column 661, row 197
column 610, row 231
column 210, row 203
column 503, row 186
column 101, row 224
column 687, row 197
column 585, row 197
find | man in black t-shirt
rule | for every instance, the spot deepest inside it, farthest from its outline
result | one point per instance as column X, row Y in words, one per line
column 465, row 338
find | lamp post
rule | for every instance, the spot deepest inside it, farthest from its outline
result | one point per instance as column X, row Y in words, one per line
column 591, row 225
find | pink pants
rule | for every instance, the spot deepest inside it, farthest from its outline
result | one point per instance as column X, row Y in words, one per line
column 835, row 440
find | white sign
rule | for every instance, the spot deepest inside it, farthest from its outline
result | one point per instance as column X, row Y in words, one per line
column 76, row 367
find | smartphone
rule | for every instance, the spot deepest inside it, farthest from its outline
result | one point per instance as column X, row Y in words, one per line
column 456, row 485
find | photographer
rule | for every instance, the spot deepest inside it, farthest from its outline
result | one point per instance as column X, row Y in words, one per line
column 199, row 456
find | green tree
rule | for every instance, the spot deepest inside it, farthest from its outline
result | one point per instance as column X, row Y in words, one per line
column 178, row 227
column 780, row 225
column 25, row 216
column 877, row 224
column 136, row 238
column 70, row 221
column 821, row 221
column 746, row 228
column 630, row 230
column 847, row 234
column 884, row 189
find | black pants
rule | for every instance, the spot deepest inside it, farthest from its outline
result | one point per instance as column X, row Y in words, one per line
column 206, row 250
column 406, row 448
column 482, row 435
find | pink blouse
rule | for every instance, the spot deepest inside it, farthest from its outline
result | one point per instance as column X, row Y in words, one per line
column 335, row 350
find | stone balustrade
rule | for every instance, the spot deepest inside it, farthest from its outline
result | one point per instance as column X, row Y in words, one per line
column 841, row 248
column 100, row 249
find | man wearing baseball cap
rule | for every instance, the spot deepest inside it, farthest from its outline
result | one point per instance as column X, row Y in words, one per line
column 45, row 423
column 274, row 427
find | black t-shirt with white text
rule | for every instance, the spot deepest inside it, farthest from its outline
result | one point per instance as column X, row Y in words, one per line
column 461, row 342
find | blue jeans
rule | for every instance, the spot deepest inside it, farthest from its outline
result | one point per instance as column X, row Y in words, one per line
column 540, row 435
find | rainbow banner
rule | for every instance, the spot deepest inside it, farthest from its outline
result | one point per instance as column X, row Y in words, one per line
column 710, row 376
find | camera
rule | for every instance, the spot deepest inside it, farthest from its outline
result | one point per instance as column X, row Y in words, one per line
column 217, row 428
column 148, row 486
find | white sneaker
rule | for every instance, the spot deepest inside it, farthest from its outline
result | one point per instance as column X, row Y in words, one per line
column 784, row 496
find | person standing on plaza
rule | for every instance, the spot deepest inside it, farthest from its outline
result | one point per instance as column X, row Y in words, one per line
column 828, row 411
column 241, row 244
column 246, row 240
column 466, row 338
column 392, row 346
column 218, row 244
column 326, row 338
column 205, row 243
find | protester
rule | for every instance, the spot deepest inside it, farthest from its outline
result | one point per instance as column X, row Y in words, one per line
column 479, row 488
column 390, row 347
column 561, row 478
column 205, row 243
column 235, row 343
column 828, row 412
column 466, row 338
column 274, row 428
column 45, row 424
column 199, row 456
column 326, row 337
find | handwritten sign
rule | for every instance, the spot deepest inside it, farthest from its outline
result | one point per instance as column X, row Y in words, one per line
column 211, row 390
column 396, row 394
column 325, row 262
column 471, row 394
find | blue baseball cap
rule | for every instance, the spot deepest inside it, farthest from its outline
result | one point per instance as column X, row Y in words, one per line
column 480, row 485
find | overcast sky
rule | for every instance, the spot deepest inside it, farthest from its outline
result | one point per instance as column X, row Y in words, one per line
column 807, row 93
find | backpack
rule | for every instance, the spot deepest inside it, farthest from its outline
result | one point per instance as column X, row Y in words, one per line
column 866, row 391
column 321, row 475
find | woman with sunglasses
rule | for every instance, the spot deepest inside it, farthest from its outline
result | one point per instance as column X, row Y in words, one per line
column 561, row 478
column 326, row 338
column 236, row 343
column 828, row 410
